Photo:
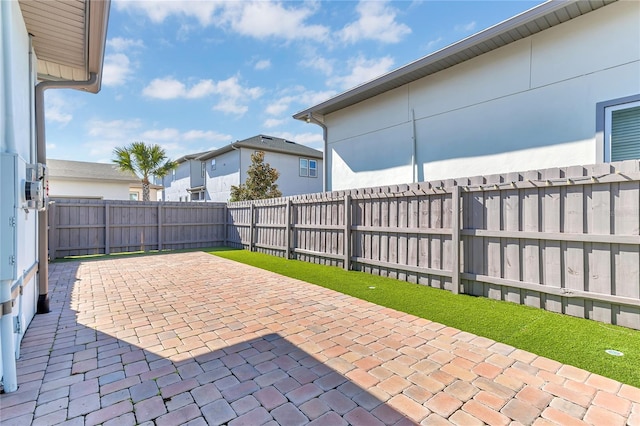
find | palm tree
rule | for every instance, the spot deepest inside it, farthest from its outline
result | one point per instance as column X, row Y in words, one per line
column 144, row 160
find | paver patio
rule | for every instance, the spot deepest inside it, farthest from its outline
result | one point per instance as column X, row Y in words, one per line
column 190, row 338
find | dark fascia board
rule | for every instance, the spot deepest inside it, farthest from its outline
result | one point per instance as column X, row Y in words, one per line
column 469, row 46
column 246, row 143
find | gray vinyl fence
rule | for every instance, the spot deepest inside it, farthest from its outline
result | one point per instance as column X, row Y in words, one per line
column 84, row 227
column 566, row 239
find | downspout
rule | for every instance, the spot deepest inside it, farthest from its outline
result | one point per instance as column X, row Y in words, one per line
column 41, row 155
column 414, row 151
column 325, row 176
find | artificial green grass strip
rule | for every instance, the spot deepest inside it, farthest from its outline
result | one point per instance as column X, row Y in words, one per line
column 574, row 341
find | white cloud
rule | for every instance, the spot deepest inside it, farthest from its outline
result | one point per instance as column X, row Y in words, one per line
column 310, row 139
column 116, row 70
column 51, row 146
column 361, row 71
column 377, row 21
column 264, row 19
column 258, row 19
column 465, row 28
column 106, row 135
column 161, row 134
column 263, row 64
column 201, row 10
column 208, row 135
column 300, row 96
column 274, row 122
column 57, row 109
column 432, row 44
column 315, row 61
column 120, row 44
column 233, row 97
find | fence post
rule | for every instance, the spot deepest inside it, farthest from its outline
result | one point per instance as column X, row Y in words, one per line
column 287, row 230
column 159, row 227
column 251, row 225
column 455, row 238
column 53, row 232
column 107, row 231
column 347, row 232
column 225, row 224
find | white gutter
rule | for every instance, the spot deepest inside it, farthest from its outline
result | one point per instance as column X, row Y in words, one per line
column 43, row 222
column 325, row 176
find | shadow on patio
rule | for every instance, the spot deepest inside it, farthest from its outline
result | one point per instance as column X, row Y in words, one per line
column 193, row 339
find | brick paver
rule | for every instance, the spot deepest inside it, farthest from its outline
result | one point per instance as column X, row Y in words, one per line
column 189, row 338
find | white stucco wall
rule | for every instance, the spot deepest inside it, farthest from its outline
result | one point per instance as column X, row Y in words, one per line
column 290, row 182
column 175, row 186
column 66, row 188
column 528, row 105
column 17, row 146
column 226, row 173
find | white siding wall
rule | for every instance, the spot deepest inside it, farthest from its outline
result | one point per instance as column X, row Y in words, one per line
column 16, row 72
column 528, row 105
column 79, row 189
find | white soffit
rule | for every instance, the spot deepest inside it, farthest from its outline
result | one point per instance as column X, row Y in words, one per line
column 68, row 36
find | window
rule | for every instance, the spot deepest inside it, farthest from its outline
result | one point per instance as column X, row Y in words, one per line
column 308, row 168
column 133, row 196
column 213, row 164
column 622, row 131
column 618, row 129
column 173, row 175
column 313, row 168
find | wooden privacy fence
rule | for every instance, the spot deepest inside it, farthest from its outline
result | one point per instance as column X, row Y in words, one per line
column 82, row 227
column 565, row 239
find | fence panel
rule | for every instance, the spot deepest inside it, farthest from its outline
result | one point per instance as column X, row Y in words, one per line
column 84, row 227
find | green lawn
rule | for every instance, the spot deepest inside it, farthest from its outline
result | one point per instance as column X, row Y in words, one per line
column 578, row 342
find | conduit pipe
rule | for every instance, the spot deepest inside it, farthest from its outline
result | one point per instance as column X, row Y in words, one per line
column 41, row 150
column 325, row 176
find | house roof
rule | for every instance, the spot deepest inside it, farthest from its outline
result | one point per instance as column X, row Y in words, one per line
column 190, row 157
column 80, row 170
column 532, row 21
column 266, row 143
column 68, row 37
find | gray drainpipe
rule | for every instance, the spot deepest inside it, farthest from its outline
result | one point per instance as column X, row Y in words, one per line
column 325, row 175
column 41, row 157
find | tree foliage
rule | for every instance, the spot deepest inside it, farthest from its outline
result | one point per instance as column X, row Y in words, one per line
column 260, row 183
column 144, row 161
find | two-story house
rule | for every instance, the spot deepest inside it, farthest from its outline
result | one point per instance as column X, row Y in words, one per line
column 209, row 176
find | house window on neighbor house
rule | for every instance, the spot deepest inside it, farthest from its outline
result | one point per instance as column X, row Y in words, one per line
column 173, row 175
column 213, row 164
column 308, row 168
column 618, row 128
column 197, row 196
column 133, row 196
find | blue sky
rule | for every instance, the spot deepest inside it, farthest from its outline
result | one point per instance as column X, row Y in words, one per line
column 196, row 75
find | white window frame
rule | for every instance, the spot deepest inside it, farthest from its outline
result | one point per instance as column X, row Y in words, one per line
column 607, row 125
column 213, row 164
column 314, row 168
column 306, row 168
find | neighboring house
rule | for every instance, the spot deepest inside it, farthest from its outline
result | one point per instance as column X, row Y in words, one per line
column 43, row 45
column 209, row 176
column 79, row 179
column 186, row 182
column 557, row 85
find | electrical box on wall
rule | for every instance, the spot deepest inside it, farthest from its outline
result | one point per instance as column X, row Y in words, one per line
column 34, row 192
column 8, row 216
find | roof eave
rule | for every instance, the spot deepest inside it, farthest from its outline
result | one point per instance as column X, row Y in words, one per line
column 401, row 76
